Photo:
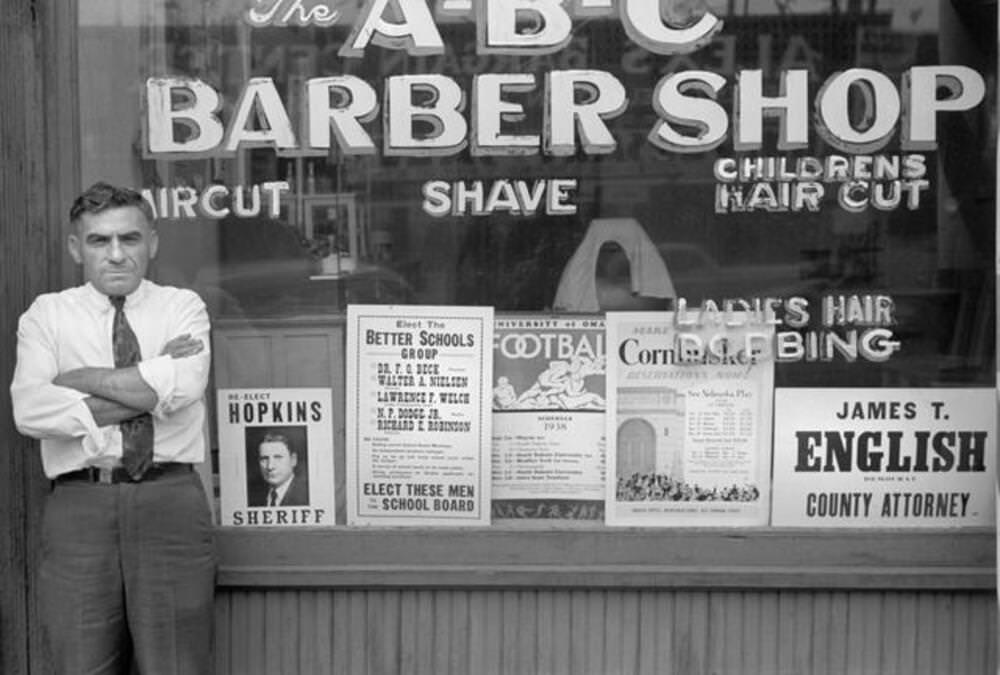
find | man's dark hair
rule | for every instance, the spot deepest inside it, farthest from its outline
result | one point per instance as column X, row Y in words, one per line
column 275, row 437
column 102, row 196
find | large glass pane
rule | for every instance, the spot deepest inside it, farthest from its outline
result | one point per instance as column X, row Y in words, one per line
column 827, row 164
column 366, row 224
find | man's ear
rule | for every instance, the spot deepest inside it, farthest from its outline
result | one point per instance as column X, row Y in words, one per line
column 154, row 243
column 73, row 243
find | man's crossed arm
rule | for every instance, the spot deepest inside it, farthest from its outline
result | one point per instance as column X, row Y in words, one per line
column 117, row 394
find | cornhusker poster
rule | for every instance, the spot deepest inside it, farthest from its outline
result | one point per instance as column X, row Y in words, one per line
column 689, row 418
column 548, row 417
column 418, row 411
column 884, row 457
column 276, row 457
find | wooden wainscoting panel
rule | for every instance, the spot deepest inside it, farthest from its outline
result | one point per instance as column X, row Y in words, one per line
column 428, row 631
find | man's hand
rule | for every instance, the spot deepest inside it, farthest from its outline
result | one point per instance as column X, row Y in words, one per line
column 181, row 346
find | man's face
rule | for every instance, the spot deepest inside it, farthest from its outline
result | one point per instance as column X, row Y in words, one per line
column 114, row 247
column 276, row 462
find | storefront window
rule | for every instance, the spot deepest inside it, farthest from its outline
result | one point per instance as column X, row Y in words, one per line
column 827, row 164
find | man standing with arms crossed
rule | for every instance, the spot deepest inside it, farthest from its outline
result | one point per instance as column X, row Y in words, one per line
column 111, row 377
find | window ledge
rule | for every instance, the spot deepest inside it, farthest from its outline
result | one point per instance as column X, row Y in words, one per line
column 603, row 557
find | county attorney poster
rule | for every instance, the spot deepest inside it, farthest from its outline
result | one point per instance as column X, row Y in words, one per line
column 884, row 457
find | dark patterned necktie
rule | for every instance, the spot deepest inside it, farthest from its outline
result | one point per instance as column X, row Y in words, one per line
column 137, row 432
column 273, row 497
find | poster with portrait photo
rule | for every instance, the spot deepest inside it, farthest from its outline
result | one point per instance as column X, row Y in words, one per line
column 276, row 457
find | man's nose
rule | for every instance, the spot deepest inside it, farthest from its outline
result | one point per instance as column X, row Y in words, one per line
column 115, row 250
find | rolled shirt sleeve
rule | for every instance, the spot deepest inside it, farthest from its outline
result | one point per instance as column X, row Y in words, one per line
column 181, row 382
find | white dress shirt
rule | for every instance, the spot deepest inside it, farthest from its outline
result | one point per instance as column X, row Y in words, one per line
column 72, row 329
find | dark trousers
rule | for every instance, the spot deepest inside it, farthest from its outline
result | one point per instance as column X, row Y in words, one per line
column 128, row 572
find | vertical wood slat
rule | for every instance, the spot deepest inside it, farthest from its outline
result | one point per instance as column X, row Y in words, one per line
column 458, row 652
column 305, row 648
column 821, row 619
column 925, row 635
column 578, row 626
column 477, row 631
column 767, row 617
column 837, row 637
column 492, row 645
column 596, row 609
column 526, row 627
column 549, row 632
column 628, row 633
column 407, row 633
column 803, row 631
column 355, row 627
column 342, row 634
column 959, row 660
column 382, row 634
column 982, row 630
column 727, row 635
column 427, row 639
column 857, row 657
column 648, row 641
column 509, row 628
column 323, row 618
column 272, row 634
column 559, row 649
column 665, row 641
column 888, row 637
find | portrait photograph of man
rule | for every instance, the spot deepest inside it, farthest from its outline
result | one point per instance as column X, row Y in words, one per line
column 277, row 466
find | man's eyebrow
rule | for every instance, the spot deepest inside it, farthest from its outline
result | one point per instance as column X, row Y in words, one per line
column 132, row 235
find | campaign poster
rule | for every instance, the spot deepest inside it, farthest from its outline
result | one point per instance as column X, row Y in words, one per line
column 548, row 417
column 276, row 457
column 418, row 411
column 884, row 458
column 689, row 418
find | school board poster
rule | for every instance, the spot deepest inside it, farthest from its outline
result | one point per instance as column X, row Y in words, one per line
column 884, row 458
column 689, row 419
column 276, row 457
column 418, row 411
column 548, row 417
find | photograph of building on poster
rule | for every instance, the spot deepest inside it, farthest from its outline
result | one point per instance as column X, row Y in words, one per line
column 276, row 464
column 548, row 417
column 688, row 421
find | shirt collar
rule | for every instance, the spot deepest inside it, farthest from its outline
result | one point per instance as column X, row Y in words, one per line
column 281, row 490
column 103, row 303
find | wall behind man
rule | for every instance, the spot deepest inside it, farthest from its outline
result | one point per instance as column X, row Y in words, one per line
column 37, row 180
